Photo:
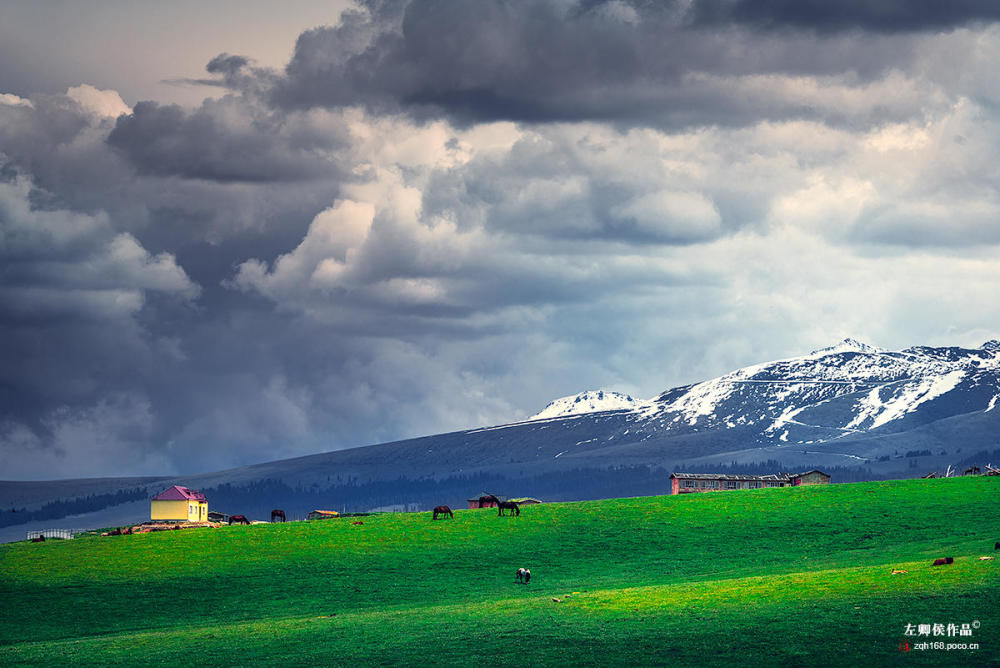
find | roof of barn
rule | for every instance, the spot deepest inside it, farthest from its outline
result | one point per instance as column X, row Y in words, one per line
column 771, row 477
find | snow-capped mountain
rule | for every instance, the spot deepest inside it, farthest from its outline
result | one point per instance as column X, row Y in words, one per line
column 591, row 401
column 842, row 390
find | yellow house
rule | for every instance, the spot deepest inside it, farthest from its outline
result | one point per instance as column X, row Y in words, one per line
column 179, row 504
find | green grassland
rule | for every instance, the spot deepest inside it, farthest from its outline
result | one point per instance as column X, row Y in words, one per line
column 799, row 576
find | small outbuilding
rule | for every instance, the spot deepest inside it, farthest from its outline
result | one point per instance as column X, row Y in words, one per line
column 179, row 504
column 322, row 515
column 814, row 477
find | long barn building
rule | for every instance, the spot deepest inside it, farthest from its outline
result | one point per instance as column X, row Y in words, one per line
column 686, row 483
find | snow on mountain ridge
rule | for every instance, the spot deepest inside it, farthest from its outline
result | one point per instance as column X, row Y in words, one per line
column 848, row 345
column 591, row 401
column 845, row 388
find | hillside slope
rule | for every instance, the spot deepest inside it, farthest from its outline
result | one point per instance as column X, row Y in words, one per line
column 795, row 575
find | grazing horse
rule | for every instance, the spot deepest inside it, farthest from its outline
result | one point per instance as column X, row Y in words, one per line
column 238, row 519
column 278, row 513
column 443, row 510
column 944, row 561
column 507, row 505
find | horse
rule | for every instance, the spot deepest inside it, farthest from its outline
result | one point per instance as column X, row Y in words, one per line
column 972, row 470
column 278, row 513
column 485, row 501
column 507, row 505
column 443, row 510
column 238, row 519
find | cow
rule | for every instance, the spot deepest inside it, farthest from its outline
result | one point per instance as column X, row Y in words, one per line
column 943, row 562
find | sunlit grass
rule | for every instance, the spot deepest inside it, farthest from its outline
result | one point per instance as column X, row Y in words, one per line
column 800, row 573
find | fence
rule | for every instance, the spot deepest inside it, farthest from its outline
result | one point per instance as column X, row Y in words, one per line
column 54, row 533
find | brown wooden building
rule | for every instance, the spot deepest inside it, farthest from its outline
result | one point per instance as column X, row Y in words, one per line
column 686, row 483
column 484, row 500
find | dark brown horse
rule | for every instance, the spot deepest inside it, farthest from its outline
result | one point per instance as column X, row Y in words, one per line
column 443, row 510
column 972, row 470
column 238, row 519
column 488, row 500
column 507, row 505
column 278, row 513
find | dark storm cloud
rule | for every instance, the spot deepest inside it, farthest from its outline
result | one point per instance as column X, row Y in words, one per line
column 221, row 141
column 290, row 171
column 226, row 64
column 661, row 64
column 880, row 15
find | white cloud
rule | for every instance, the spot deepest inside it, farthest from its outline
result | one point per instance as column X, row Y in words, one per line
column 323, row 258
column 105, row 103
column 15, row 101
column 672, row 215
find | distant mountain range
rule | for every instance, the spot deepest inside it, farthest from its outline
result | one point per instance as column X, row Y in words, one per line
column 857, row 411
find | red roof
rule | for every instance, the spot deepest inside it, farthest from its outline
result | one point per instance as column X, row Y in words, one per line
column 178, row 493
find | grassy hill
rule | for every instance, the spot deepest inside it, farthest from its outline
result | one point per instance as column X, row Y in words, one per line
column 799, row 575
